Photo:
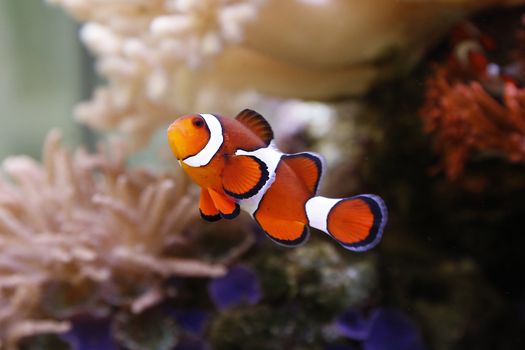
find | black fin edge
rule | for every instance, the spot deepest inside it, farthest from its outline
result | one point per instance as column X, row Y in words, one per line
column 210, row 218
column 283, row 242
column 287, row 243
column 234, row 214
column 380, row 212
column 260, row 184
column 250, row 113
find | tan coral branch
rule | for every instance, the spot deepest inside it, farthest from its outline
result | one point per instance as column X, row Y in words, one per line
column 82, row 218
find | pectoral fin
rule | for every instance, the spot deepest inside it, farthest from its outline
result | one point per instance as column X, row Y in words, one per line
column 244, row 176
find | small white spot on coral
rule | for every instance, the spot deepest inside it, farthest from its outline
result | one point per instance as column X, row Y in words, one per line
column 171, row 25
column 100, row 39
column 317, row 2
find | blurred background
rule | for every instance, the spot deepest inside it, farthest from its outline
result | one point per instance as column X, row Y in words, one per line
column 45, row 72
column 420, row 102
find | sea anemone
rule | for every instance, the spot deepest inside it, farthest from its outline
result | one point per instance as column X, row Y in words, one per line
column 81, row 232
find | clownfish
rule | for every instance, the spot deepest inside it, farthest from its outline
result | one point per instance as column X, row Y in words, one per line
column 238, row 166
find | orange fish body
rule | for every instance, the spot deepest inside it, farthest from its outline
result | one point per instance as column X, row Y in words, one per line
column 237, row 165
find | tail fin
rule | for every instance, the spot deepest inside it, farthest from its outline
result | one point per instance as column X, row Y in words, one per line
column 357, row 223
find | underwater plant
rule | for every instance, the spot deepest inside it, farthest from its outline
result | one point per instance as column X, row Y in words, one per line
column 473, row 105
column 163, row 58
column 239, row 285
column 382, row 329
column 82, row 233
column 149, row 50
column 289, row 300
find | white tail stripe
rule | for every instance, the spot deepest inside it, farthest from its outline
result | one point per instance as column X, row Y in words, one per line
column 317, row 210
column 214, row 143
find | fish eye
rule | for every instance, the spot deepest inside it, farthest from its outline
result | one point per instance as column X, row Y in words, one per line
column 198, row 122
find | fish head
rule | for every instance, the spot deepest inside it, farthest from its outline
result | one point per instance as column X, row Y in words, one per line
column 188, row 135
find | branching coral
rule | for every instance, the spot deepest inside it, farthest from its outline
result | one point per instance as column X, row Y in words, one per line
column 473, row 106
column 83, row 227
column 149, row 50
column 156, row 54
column 465, row 119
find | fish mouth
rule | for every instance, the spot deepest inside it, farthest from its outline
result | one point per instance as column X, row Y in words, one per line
column 175, row 140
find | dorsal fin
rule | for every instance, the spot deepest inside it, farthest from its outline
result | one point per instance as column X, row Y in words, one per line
column 308, row 167
column 257, row 124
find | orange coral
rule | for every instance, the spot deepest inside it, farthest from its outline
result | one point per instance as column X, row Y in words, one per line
column 474, row 106
column 465, row 119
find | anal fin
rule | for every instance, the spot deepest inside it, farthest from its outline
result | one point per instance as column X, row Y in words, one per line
column 228, row 208
column 285, row 232
column 207, row 208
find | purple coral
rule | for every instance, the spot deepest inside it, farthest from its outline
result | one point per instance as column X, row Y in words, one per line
column 192, row 321
column 239, row 285
column 393, row 330
column 89, row 333
column 354, row 324
column 384, row 329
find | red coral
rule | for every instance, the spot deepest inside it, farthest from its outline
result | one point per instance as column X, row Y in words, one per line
column 469, row 115
column 465, row 119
